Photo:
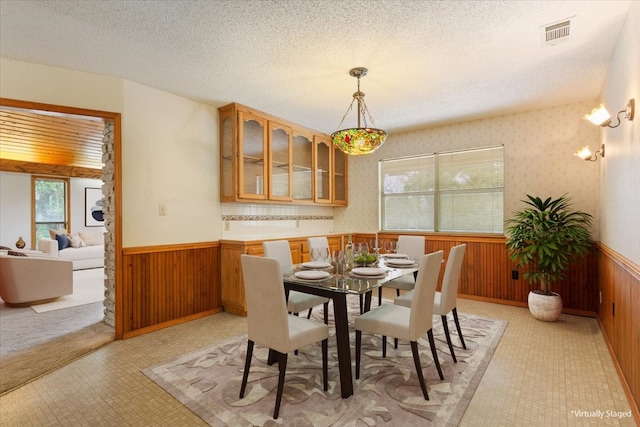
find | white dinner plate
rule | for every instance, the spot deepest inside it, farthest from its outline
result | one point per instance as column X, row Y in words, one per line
column 362, row 276
column 368, row 271
column 401, row 262
column 316, row 265
column 395, row 256
column 312, row 274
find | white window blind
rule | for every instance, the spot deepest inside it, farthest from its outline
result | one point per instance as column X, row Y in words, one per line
column 459, row 191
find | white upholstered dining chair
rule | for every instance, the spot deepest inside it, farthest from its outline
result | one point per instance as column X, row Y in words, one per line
column 446, row 300
column 413, row 247
column 406, row 323
column 297, row 301
column 270, row 325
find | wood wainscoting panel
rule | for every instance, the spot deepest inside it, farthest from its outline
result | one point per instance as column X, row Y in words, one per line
column 619, row 316
column 166, row 285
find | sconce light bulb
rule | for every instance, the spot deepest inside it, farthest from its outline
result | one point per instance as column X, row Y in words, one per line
column 584, row 153
column 599, row 116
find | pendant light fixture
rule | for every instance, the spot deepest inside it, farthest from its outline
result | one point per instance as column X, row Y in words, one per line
column 363, row 139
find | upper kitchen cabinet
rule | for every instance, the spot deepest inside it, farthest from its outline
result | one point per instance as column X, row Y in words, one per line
column 265, row 158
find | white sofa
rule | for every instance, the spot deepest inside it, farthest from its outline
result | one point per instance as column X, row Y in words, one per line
column 89, row 256
column 30, row 280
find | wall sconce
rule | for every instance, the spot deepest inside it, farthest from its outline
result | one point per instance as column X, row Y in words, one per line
column 585, row 153
column 601, row 117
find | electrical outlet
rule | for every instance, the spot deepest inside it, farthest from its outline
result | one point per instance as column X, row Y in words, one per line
column 162, row 209
column 226, row 226
column 515, row 275
column 297, row 223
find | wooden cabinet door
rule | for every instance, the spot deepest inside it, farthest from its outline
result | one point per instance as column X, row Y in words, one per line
column 340, row 178
column 302, row 186
column 252, row 156
column 280, row 165
column 323, row 172
column 228, row 155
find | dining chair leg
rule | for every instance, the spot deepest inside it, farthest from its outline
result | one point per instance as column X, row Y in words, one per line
column 395, row 343
column 325, row 364
column 309, row 313
column 384, row 346
column 361, row 304
column 416, row 360
column 380, row 295
column 445, row 326
column 326, row 313
column 247, row 364
column 432, row 344
column 455, row 318
column 397, row 293
column 282, row 366
column 358, row 343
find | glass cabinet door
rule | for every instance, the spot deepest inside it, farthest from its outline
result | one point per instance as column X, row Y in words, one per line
column 322, row 169
column 252, row 158
column 302, row 160
column 339, row 177
column 227, row 156
column 280, row 162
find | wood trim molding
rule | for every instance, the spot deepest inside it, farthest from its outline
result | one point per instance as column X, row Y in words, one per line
column 628, row 265
column 168, row 248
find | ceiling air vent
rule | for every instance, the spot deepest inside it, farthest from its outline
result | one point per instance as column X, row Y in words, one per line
column 557, row 32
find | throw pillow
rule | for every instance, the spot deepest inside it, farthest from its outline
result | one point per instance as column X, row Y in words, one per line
column 54, row 233
column 63, row 242
column 75, row 241
column 92, row 239
column 14, row 253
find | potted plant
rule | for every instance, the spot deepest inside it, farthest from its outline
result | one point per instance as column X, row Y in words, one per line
column 544, row 238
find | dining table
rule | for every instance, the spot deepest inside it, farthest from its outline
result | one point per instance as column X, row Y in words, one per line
column 337, row 287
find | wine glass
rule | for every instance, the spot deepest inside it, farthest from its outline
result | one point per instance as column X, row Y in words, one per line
column 338, row 257
column 390, row 246
column 324, row 253
column 315, row 254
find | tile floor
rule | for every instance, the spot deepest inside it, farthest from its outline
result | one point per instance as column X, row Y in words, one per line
column 542, row 374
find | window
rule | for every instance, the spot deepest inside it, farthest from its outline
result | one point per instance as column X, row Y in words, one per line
column 460, row 191
column 50, row 206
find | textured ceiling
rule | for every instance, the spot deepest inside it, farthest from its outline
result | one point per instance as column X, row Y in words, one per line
column 429, row 62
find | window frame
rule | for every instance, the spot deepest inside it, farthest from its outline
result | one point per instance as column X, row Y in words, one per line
column 437, row 192
column 66, row 224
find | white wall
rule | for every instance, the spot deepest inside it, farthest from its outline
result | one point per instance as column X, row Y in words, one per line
column 170, row 157
column 620, row 172
column 15, row 208
column 539, row 151
column 15, row 199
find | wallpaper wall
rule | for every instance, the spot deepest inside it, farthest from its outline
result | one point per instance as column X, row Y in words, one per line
column 539, row 159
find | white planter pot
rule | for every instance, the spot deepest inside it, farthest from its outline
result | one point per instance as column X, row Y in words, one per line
column 547, row 308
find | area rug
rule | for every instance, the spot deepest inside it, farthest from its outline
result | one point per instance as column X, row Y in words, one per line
column 88, row 287
column 208, row 381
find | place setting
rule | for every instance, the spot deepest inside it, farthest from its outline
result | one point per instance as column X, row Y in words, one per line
column 312, row 275
column 368, row 273
column 318, row 260
column 401, row 262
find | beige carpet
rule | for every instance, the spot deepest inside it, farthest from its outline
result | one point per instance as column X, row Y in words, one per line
column 388, row 393
column 33, row 344
column 88, row 287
